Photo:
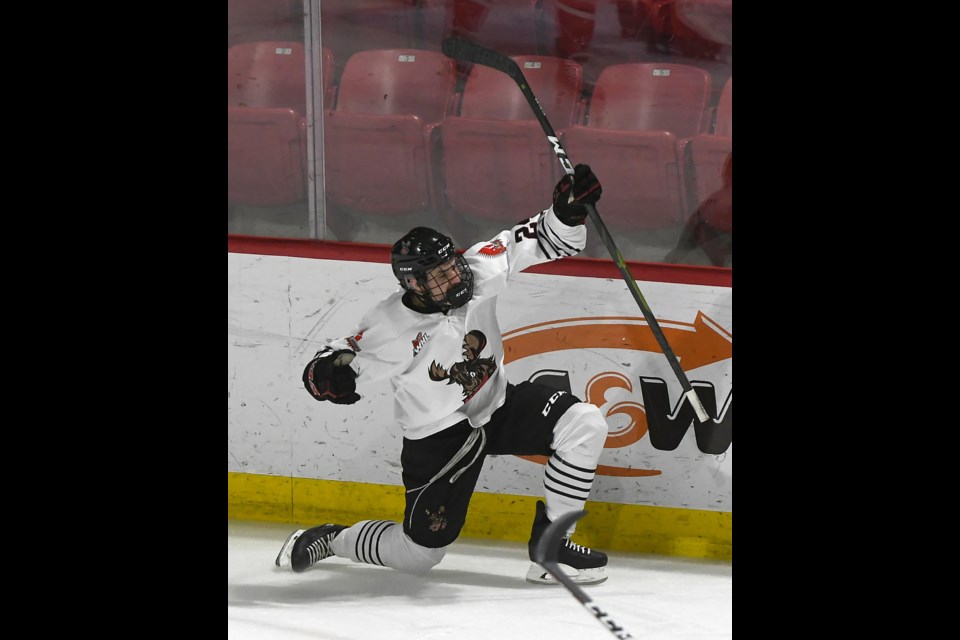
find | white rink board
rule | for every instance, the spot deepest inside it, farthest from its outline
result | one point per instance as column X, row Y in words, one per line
column 280, row 309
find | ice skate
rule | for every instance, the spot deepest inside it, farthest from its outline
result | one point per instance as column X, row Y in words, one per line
column 582, row 564
column 306, row 547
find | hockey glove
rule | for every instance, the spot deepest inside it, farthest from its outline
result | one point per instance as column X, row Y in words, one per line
column 329, row 377
column 573, row 193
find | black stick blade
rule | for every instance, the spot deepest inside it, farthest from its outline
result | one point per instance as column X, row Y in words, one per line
column 466, row 51
column 549, row 544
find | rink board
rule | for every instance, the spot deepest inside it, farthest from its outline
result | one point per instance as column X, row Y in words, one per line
column 612, row 527
column 293, row 460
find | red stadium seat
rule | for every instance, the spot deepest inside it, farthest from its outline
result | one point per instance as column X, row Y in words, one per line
column 723, row 125
column 397, row 82
column 267, row 74
column 637, row 116
column 266, row 122
column 651, row 96
column 352, row 26
column 497, row 163
column 266, row 156
column 557, row 84
column 376, row 164
column 640, row 172
column 704, row 158
column 272, row 74
column 376, row 159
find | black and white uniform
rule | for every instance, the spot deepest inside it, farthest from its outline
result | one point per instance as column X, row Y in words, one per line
column 455, row 404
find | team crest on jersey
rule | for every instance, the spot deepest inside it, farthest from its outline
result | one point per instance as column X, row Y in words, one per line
column 472, row 372
column 492, row 249
column 419, row 341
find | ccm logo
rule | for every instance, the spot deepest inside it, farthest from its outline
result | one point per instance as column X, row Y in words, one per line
column 561, row 154
column 549, row 405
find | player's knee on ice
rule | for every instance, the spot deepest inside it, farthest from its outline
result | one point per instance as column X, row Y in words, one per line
column 385, row 543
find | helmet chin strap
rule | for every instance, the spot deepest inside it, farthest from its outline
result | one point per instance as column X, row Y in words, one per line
column 456, row 296
column 422, row 303
column 425, row 303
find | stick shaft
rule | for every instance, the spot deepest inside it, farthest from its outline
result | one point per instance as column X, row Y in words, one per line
column 545, row 554
column 470, row 52
column 609, row 623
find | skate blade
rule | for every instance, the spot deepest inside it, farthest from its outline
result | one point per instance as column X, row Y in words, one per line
column 283, row 558
column 538, row 575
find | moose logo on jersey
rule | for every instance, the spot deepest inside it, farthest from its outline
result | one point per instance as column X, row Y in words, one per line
column 473, row 371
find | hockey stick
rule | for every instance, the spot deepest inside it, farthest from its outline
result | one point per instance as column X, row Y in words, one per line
column 467, row 51
column 546, row 557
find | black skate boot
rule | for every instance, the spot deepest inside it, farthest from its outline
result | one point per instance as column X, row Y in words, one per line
column 583, row 565
column 307, row 547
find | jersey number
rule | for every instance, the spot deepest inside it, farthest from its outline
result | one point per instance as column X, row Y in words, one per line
column 527, row 231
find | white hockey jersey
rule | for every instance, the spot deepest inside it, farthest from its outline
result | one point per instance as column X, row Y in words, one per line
column 444, row 367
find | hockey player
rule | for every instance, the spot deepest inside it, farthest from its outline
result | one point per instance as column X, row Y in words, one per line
column 438, row 341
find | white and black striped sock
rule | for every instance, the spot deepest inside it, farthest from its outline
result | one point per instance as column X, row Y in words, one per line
column 383, row 543
column 578, row 439
column 566, row 485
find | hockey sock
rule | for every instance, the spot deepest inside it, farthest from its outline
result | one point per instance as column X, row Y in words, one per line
column 383, row 542
column 578, row 439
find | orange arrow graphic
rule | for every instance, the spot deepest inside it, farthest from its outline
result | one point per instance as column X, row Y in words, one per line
column 698, row 344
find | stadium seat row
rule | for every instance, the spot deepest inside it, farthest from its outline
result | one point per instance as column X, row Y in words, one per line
column 695, row 28
column 399, row 138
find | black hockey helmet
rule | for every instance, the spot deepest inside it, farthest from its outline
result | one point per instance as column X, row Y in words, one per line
column 423, row 249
